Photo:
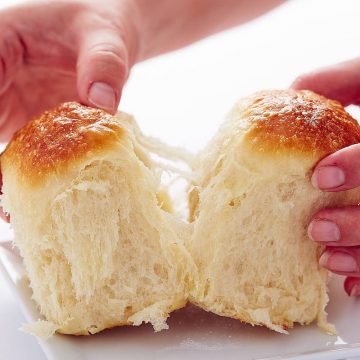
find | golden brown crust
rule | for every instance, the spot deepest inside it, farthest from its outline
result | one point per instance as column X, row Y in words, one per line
column 59, row 138
column 299, row 121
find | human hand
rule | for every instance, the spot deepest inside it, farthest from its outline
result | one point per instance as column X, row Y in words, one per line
column 57, row 51
column 339, row 82
column 51, row 52
column 65, row 50
column 338, row 228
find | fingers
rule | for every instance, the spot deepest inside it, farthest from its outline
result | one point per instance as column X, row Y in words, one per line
column 340, row 82
column 336, row 227
column 102, row 69
column 339, row 229
column 342, row 260
column 338, row 171
column 352, row 286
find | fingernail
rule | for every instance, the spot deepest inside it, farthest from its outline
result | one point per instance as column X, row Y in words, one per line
column 102, row 96
column 328, row 177
column 323, row 230
column 338, row 261
column 355, row 291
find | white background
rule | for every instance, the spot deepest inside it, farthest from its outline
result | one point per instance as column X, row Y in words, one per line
column 182, row 97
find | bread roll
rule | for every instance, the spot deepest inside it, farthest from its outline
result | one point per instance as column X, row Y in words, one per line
column 85, row 202
column 102, row 248
column 251, row 203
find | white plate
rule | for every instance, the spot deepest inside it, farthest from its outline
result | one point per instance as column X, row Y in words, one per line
column 195, row 334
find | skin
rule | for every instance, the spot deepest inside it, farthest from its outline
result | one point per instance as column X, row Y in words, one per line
column 83, row 50
column 56, row 51
column 338, row 228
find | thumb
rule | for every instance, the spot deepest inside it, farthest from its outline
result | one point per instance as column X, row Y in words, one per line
column 102, row 69
column 340, row 82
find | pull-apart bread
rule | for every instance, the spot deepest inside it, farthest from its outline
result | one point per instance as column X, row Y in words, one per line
column 86, row 205
column 252, row 201
column 102, row 248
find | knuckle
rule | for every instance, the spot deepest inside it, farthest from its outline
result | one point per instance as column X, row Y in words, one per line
column 109, row 60
column 111, row 57
column 110, row 52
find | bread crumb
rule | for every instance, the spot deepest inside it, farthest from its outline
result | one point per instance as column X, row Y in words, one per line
column 42, row 329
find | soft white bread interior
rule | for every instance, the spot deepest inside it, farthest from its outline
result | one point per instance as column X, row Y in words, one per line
column 251, row 203
column 89, row 216
column 102, row 248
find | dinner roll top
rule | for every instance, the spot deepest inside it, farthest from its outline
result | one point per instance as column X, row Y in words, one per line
column 292, row 123
column 61, row 139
